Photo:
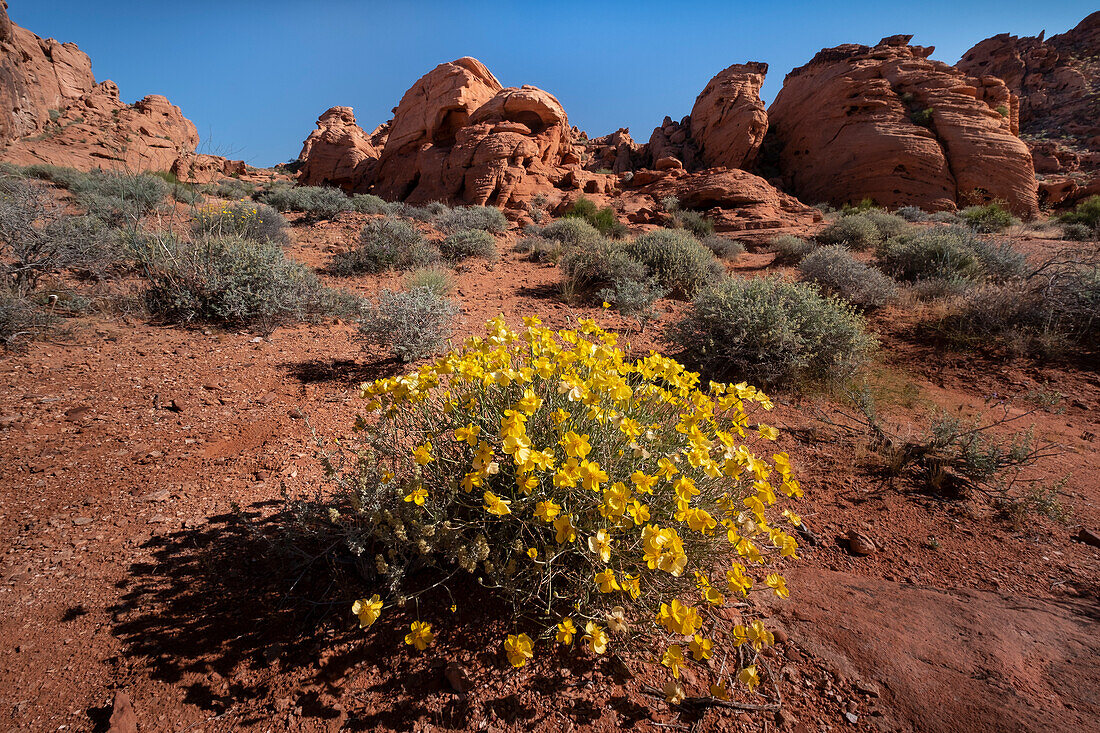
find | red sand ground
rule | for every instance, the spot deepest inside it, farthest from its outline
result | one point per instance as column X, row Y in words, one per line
column 128, row 447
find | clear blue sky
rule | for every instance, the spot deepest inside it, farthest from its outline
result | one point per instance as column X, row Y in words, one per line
column 255, row 74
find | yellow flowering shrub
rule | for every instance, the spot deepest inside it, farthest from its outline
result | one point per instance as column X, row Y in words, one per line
column 614, row 503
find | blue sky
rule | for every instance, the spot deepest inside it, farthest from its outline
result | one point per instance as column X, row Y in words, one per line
column 255, row 74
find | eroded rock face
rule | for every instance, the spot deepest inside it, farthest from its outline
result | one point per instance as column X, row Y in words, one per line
column 889, row 124
column 338, row 152
column 1058, row 83
column 52, row 111
column 729, row 121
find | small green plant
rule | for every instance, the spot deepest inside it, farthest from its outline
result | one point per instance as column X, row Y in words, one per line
column 21, row 319
column 676, row 260
column 603, row 220
column 835, row 270
column 789, row 249
column 1002, row 110
column 1078, row 232
column 776, row 332
column 1086, row 212
column 570, row 232
column 235, row 190
column 539, row 249
column 415, row 323
column 692, row 221
column 437, row 279
column 597, row 265
column 634, row 299
column 988, row 218
column 466, row 243
column 854, row 231
column 386, row 244
column 923, row 117
column 724, row 248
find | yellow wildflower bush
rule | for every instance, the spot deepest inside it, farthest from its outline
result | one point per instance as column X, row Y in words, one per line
column 615, row 504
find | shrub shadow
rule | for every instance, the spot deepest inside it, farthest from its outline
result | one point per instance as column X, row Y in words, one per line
column 344, row 371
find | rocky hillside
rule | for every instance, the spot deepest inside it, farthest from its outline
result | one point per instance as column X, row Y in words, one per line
column 53, row 111
column 1057, row 80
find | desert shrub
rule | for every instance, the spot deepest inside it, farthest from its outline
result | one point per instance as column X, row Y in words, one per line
column 464, row 218
column 1078, row 232
column 677, row 260
column 539, row 249
column 944, row 217
column 20, row 318
column 437, row 279
column 693, row 221
column 1086, row 212
column 322, row 202
column 835, row 270
column 365, row 203
column 38, row 237
column 63, row 177
column 948, row 253
column 923, row 117
column 887, row 224
column 235, row 189
column 789, row 249
column 232, row 281
column 466, row 243
column 912, row 213
column 386, row 244
column 119, row 198
column 415, row 323
column 724, row 248
column 598, row 264
column 258, row 222
column 992, row 217
column 1055, row 309
column 602, row 220
column 772, row 331
column 854, row 231
column 591, row 530
column 570, row 232
column 634, row 298
column 186, row 194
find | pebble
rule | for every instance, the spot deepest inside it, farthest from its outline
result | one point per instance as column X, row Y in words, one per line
column 81, row 521
column 852, row 718
column 860, row 544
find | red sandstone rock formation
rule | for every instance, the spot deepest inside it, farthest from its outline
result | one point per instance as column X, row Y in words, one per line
column 339, row 152
column 728, row 121
column 52, row 111
column 887, row 123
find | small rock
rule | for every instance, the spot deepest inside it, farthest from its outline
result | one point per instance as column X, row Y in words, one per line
column 81, row 521
column 267, row 398
column 860, row 544
column 158, row 519
column 867, row 688
column 161, row 495
column 785, row 718
column 6, row 421
column 1089, row 537
column 123, row 717
column 295, row 413
column 257, row 340
column 780, row 636
column 852, row 718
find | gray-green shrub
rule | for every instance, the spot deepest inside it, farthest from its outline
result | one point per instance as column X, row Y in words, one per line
column 773, row 332
column 723, row 247
column 570, row 232
column 835, row 270
column 323, row 202
column 233, row 281
column 854, row 231
column 678, row 261
column 912, row 213
column 386, row 244
column 462, row 218
column 948, row 253
column 437, row 279
column 258, row 222
column 988, row 218
column 466, row 243
column 415, row 324
column 1078, row 232
column 1086, row 212
column 692, row 221
column 539, row 249
column 597, row 265
column 366, row 203
column 789, row 249
column 634, row 298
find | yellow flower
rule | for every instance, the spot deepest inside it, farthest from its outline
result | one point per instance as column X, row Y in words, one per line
column 600, row 543
column 576, row 446
column 639, row 512
column 720, row 691
column 495, row 505
column 767, row 431
column 673, row 658
column 468, row 434
column 631, row 584
column 596, row 637
column 566, row 631
column 368, row 610
column 748, row 677
column 757, row 635
column 630, row 427
column 592, row 475
column 519, row 649
column 606, row 581
column 565, row 531
column 643, row 482
column 420, row 635
column 423, row 453
column 547, row 510
column 532, row 553
column 606, row 304
column 529, row 403
column 418, row 496
column 677, row 618
column 700, row 648
column 776, row 582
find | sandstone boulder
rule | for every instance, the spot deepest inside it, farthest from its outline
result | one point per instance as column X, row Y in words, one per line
column 729, row 121
column 338, row 152
column 889, row 124
column 673, row 140
column 1058, row 85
